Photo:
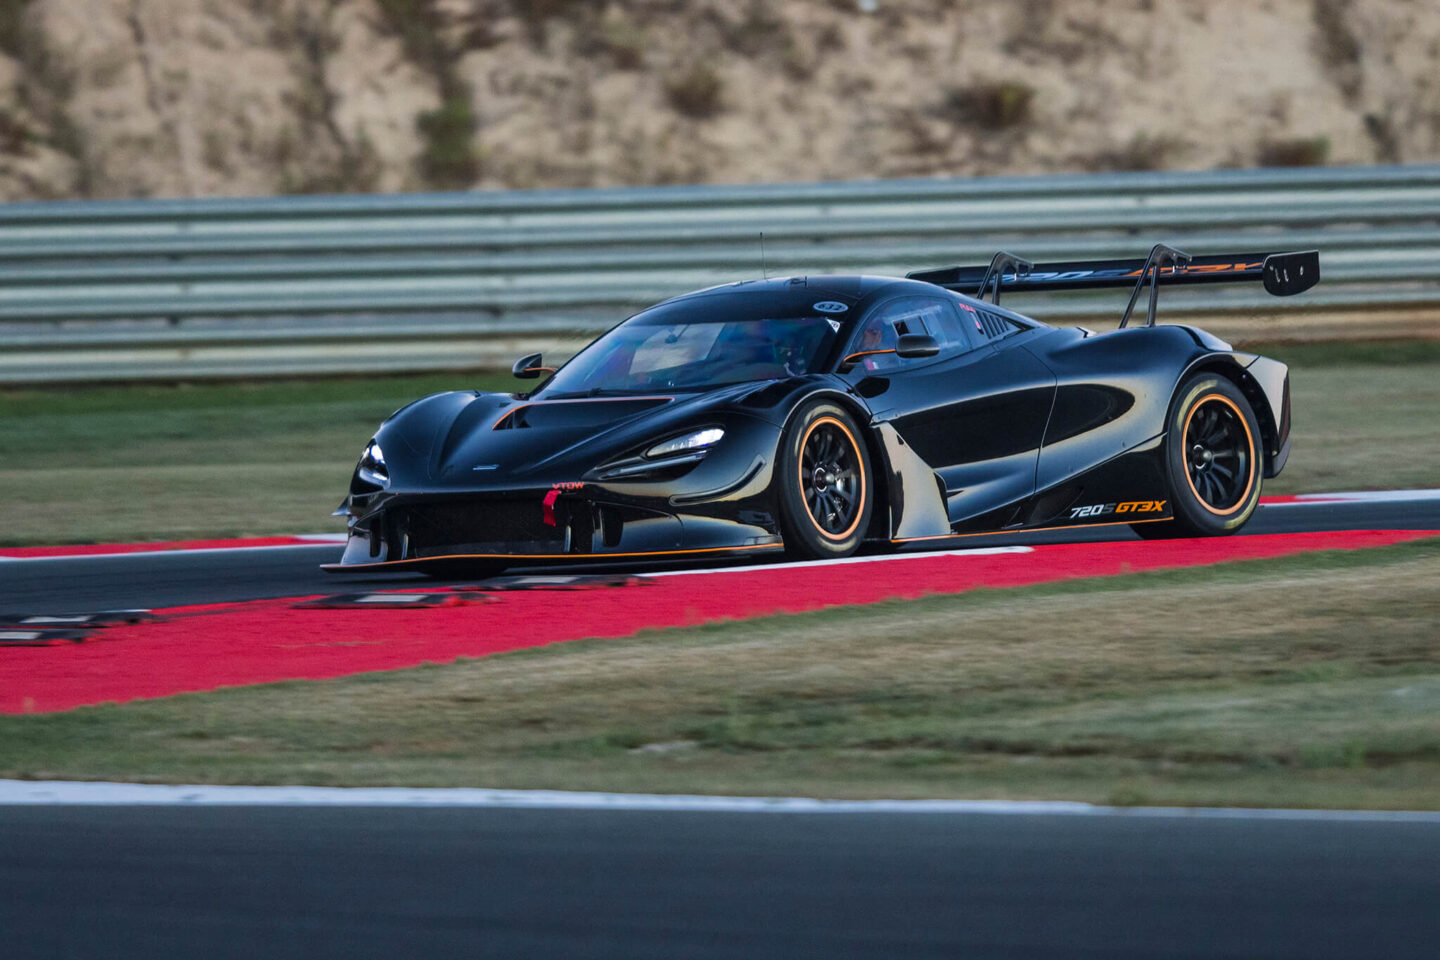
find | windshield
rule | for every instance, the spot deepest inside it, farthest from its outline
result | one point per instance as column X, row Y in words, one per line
column 700, row 343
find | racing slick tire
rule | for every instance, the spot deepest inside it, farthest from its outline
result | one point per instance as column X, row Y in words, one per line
column 1213, row 461
column 825, row 485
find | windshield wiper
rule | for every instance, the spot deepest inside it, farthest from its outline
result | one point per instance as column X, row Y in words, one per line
column 611, row 392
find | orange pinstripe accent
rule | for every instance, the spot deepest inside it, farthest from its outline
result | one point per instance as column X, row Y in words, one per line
column 866, row 353
column 1201, row 268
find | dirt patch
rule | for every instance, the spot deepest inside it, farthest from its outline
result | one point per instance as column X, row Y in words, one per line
column 204, row 97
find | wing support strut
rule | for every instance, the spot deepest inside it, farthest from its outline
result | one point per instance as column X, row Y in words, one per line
column 1160, row 255
column 999, row 263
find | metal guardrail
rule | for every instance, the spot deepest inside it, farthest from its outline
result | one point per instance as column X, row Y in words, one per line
column 293, row 285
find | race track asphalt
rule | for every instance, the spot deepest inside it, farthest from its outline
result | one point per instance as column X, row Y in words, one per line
column 399, row 882
column 154, row 580
column 405, row 882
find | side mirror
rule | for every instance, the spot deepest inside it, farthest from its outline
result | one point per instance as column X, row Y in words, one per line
column 528, row 368
column 917, row 345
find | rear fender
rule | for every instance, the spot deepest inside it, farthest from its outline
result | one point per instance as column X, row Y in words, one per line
column 1266, row 384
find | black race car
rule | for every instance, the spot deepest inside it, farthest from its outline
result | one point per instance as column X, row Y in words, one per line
column 817, row 415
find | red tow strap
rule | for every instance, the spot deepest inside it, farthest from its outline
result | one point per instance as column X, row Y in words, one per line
column 548, row 507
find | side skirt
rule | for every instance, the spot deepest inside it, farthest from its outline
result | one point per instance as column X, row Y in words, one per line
column 993, row 533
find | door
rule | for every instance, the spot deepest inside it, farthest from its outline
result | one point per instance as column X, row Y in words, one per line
column 975, row 414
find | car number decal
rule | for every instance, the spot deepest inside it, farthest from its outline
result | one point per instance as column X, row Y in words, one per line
column 831, row 306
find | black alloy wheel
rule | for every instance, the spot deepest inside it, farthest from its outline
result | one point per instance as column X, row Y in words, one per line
column 825, row 485
column 1213, row 461
column 1218, row 454
column 830, row 476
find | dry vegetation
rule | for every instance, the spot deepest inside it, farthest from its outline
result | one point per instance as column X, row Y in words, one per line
column 1308, row 681
column 200, row 97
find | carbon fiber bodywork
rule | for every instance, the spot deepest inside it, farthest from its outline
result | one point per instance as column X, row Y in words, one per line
column 1015, row 426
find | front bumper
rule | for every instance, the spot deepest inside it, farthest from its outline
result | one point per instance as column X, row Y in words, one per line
column 567, row 507
column 562, row 523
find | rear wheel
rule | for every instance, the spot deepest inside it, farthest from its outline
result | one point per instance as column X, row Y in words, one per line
column 824, row 484
column 1212, row 461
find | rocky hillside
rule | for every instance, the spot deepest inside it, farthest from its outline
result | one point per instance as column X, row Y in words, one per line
column 122, row 98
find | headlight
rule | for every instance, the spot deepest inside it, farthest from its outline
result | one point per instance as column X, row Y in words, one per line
column 663, row 458
column 372, row 465
column 686, row 443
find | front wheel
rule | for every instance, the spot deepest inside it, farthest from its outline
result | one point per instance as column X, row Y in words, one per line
column 824, row 484
column 1212, row 461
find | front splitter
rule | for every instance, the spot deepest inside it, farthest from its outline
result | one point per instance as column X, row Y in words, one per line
column 513, row 558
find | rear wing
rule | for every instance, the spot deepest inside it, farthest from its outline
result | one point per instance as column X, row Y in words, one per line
column 1283, row 274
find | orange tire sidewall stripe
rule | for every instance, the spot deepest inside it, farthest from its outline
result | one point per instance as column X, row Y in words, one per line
column 859, row 470
column 1250, row 455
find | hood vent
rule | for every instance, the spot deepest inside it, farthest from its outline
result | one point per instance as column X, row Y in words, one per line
column 570, row 414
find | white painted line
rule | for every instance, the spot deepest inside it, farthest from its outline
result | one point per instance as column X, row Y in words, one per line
column 195, row 552
column 1372, row 496
column 978, row 551
column 875, row 558
column 78, row 793
column 320, row 539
